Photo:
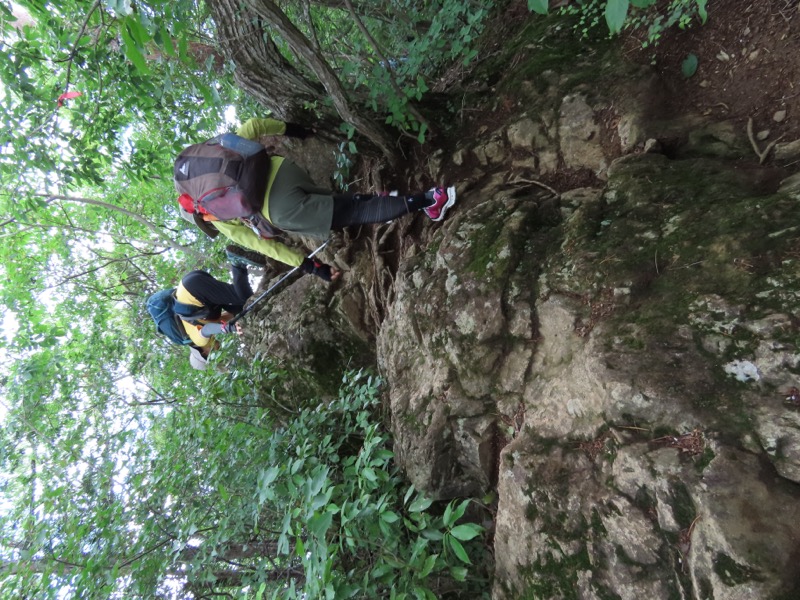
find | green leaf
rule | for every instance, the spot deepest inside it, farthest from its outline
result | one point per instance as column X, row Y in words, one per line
column 689, row 66
column 165, row 41
column 466, row 531
column 458, row 549
column 616, row 12
column 380, row 570
column 428, row 566
column 138, row 31
column 459, row 512
column 419, row 504
column 432, row 534
column 447, row 517
column 283, row 544
column 642, row 3
column 120, row 8
column 409, row 493
column 701, row 11
column 287, row 523
column 261, row 589
column 320, row 476
column 539, row 6
column 390, row 517
column 269, row 475
column 318, row 524
column 459, row 573
column 132, row 51
column 469, row 56
column 423, row 593
column 421, row 137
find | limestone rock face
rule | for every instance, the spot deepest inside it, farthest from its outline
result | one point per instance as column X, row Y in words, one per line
column 639, row 356
column 457, row 344
column 618, row 361
column 640, row 520
column 297, row 330
column 579, row 135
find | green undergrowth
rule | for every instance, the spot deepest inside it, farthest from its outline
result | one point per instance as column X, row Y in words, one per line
column 324, row 487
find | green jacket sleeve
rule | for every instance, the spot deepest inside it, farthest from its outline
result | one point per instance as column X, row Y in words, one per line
column 244, row 236
column 253, row 129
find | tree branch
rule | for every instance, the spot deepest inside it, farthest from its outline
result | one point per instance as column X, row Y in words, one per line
column 382, row 57
column 74, row 51
column 304, row 50
column 109, row 261
column 136, row 217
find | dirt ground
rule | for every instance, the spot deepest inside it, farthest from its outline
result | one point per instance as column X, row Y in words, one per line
column 748, row 66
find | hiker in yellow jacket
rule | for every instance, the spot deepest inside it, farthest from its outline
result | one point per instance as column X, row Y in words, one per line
column 199, row 298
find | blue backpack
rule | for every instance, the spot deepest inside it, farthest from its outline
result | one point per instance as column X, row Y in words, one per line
column 161, row 307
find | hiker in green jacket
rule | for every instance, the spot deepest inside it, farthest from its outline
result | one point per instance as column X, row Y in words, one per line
column 293, row 203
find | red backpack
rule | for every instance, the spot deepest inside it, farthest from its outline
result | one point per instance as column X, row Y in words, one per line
column 226, row 176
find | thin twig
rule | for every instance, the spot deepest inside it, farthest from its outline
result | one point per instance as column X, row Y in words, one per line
column 686, row 266
column 78, row 37
column 131, row 214
column 762, row 155
column 539, row 183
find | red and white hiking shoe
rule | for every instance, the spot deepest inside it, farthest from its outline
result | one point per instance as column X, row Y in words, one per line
column 443, row 199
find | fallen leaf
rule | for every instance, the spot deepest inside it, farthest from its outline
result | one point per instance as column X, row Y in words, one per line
column 689, row 66
column 67, row 96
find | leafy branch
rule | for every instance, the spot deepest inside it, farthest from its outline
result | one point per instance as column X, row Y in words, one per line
column 385, row 62
column 136, row 217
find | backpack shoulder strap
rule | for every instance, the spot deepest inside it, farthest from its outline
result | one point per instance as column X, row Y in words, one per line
column 261, row 226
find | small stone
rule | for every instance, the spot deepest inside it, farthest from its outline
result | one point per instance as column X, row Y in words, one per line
column 746, row 31
column 779, row 116
column 743, row 370
column 753, row 55
column 762, row 135
column 704, row 83
column 652, row 146
column 723, row 56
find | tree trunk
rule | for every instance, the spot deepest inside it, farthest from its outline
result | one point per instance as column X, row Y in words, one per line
column 263, row 72
column 260, row 69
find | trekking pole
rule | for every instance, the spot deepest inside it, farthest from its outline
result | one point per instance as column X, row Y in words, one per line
column 210, row 329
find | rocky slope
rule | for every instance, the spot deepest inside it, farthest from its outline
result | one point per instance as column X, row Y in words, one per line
column 614, row 352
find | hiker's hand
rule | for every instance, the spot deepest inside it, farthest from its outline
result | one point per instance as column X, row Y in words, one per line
column 239, row 329
column 310, row 266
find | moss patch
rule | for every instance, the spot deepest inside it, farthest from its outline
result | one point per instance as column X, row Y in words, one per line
column 732, row 573
column 666, row 240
